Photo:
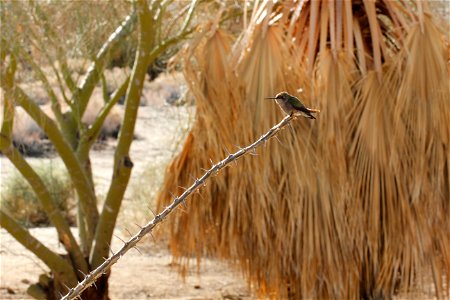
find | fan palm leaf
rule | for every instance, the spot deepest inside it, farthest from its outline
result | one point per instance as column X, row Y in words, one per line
column 354, row 204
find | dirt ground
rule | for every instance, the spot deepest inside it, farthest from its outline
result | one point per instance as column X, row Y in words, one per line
column 150, row 274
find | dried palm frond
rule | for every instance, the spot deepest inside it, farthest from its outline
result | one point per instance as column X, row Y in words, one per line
column 352, row 205
column 422, row 109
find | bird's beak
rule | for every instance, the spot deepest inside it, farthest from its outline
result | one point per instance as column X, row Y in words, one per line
column 270, row 98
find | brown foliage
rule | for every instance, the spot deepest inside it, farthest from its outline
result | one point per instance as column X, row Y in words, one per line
column 353, row 205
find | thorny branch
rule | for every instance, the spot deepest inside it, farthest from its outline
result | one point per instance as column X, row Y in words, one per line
column 198, row 183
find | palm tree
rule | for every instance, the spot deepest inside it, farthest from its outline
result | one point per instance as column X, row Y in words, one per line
column 353, row 205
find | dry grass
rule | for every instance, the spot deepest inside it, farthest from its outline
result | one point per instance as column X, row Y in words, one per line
column 167, row 88
column 30, row 139
column 111, row 126
column 142, row 197
column 28, row 136
column 21, row 202
column 354, row 205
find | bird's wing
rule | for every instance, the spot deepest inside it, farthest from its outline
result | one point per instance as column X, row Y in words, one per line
column 296, row 103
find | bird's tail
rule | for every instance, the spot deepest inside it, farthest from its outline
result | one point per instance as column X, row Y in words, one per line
column 312, row 111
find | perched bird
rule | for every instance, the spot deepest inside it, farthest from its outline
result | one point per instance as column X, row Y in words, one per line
column 291, row 105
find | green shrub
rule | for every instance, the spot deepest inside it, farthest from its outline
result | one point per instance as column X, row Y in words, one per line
column 20, row 200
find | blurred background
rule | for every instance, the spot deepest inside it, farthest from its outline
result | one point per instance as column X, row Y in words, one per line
column 109, row 108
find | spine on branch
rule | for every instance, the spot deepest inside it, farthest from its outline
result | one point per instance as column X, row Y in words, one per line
column 148, row 228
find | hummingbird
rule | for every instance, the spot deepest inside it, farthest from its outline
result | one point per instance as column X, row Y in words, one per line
column 291, row 105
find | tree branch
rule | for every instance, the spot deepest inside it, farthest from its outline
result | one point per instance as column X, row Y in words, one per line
column 40, row 75
column 198, row 183
column 95, row 128
column 76, row 172
column 56, row 42
column 89, row 137
column 55, row 262
column 65, row 235
column 122, row 161
column 7, row 81
column 188, row 18
column 46, row 200
column 83, row 94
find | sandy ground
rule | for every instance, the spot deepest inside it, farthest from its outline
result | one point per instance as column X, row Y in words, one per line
column 150, row 274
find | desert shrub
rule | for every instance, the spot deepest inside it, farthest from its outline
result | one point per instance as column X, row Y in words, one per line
column 28, row 137
column 20, row 200
column 111, row 126
column 125, row 54
column 142, row 195
column 167, row 88
column 31, row 141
